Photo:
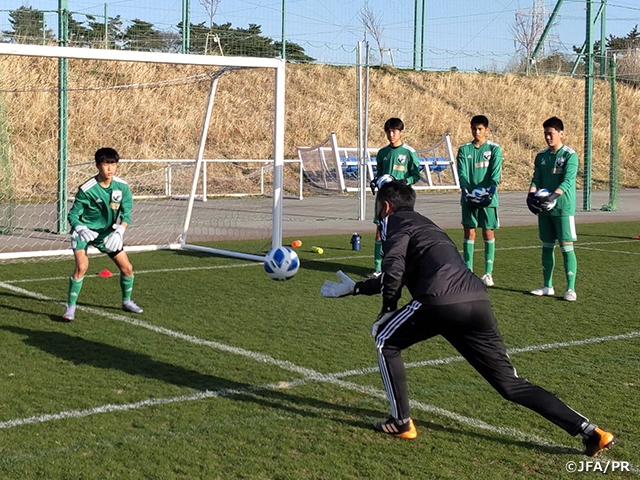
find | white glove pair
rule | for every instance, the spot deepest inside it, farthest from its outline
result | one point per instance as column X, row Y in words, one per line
column 338, row 289
column 113, row 242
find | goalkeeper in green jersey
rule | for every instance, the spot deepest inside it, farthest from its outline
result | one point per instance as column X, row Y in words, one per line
column 93, row 218
column 555, row 170
column 396, row 160
column 479, row 164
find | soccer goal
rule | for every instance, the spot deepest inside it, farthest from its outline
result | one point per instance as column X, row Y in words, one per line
column 331, row 168
column 176, row 122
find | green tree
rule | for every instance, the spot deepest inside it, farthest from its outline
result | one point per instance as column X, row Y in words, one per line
column 141, row 35
column 79, row 35
column 28, row 26
column 97, row 31
column 294, row 52
column 240, row 42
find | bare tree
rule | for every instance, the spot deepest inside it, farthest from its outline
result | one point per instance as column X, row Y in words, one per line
column 528, row 28
column 211, row 7
column 371, row 23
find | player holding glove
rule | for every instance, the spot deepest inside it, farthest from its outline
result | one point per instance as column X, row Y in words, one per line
column 479, row 164
column 448, row 300
column 99, row 203
column 555, row 169
column 397, row 161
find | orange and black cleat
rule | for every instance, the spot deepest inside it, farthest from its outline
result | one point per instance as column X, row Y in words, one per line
column 397, row 429
column 597, row 442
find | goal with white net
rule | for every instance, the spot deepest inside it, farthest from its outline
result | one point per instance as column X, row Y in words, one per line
column 175, row 121
column 329, row 167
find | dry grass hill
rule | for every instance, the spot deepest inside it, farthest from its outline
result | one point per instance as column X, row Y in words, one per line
column 155, row 111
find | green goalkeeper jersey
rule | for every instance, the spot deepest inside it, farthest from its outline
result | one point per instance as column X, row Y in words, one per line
column 480, row 167
column 400, row 162
column 557, row 170
column 98, row 208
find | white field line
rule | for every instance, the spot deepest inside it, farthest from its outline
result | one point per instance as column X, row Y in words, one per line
column 309, row 376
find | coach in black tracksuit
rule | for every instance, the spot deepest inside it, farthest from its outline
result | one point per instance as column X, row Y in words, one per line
column 447, row 299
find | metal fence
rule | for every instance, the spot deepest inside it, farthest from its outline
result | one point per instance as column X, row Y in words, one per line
column 463, row 35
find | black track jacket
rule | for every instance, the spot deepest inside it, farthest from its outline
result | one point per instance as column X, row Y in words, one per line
column 418, row 254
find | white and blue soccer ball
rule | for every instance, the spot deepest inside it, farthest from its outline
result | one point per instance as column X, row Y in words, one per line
column 281, row 263
column 477, row 194
column 542, row 193
column 383, row 180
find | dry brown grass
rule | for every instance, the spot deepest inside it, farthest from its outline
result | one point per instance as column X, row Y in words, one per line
column 165, row 121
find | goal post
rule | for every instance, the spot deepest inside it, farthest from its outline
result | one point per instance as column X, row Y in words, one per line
column 147, row 105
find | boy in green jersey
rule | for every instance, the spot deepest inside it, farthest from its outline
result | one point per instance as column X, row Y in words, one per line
column 97, row 206
column 555, row 170
column 479, row 164
column 401, row 162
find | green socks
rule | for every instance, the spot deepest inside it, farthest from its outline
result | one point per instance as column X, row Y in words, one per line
column 377, row 256
column 489, row 255
column 74, row 290
column 548, row 263
column 467, row 252
column 570, row 265
column 126, row 284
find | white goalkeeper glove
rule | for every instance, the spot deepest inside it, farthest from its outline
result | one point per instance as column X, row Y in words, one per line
column 113, row 242
column 338, row 289
column 382, row 318
column 85, row 234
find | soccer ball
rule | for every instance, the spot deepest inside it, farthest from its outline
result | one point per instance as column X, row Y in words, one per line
column 542, row 193
column 384, row 179
column 477, row 194
column 281, row 263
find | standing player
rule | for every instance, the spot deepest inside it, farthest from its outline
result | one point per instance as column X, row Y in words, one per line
column 401, row 162
column 448, row 300
column 555, row 169
column 97, row 206
column 479, row 165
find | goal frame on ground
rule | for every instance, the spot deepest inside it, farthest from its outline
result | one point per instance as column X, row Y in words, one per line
column 278, row 65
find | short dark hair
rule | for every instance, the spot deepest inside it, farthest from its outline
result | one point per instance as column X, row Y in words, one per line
column 107, row 155
column 399, row 195
column 554, row 122
column 480, row 120
column 393, row 124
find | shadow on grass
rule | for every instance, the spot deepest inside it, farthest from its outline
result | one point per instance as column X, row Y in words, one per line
column 355, row 271
column 601, row 235
column 80, row 351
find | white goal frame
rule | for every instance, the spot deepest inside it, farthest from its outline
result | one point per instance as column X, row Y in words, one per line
column 333, row 159
column 227, row 63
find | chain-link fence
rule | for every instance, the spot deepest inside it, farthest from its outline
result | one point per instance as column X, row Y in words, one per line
column 402, row 33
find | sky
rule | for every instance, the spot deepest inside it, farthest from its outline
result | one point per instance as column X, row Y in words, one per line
column 466, row 34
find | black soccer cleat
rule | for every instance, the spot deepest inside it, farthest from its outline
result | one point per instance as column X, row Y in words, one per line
column 397, row 429
column 597, row 442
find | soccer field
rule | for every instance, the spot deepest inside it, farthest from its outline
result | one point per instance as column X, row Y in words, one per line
column 228, row 374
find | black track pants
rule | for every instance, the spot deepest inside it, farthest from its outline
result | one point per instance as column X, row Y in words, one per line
column 472, row 330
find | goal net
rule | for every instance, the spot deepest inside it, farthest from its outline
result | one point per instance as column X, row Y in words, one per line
column 329, row 167
column 199, row 168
